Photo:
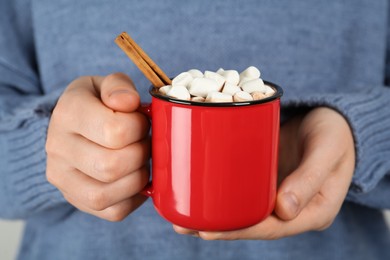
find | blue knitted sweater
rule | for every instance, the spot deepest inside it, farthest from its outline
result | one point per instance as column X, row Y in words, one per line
column 324, row 53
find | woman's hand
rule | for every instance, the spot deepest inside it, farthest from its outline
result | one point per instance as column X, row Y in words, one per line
column 98, row 146
column 316, row 164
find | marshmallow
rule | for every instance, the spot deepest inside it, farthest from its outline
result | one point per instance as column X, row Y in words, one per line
column 269, row 91
column 220, row 86
column 198, row 99
column 215, row 76
column 196, row 73
column 242, row 96
column 200, row 87
column 230, row 89
column 183, row 79
column 165, row 89
column 220, row 70
column 219, row 97
column 231, row 76
column 179, row 92
column 243, row 80
column 250, row 72
column 253, row 85
column 257, row 95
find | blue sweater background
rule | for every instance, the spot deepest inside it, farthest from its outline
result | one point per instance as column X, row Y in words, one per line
column 323, row 53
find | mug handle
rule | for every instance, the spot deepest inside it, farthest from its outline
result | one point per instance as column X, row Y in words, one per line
column 146, row 109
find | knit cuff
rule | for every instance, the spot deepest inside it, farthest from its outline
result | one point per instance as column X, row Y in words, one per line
column 369, row 120
column 24, row 189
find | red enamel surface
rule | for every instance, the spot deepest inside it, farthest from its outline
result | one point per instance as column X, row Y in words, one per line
column 214, row 168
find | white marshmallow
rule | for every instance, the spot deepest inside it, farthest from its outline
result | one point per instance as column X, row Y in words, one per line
column 219, row 97
column 198, row 99
column 215, row 76
column 183, row 79
column 243, row 80
column 165, row 89
column 195, row 73
column 269, row 91
column 231, row 76
column 253, row 85
column 179, row 92
column 220, row 86
column 220, row 70
column 230, row 89
column 257, row 95
column 200, row 87
column 242, row 96
column 250, row 72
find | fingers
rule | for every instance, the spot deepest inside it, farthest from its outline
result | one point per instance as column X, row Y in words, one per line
column 103, row 164
column 93, row 194
column 185, row 231
column 97, row 147
column 117, row 92
column 273, row 228
column 113, row 213
column 317, row 216
column 81, row 111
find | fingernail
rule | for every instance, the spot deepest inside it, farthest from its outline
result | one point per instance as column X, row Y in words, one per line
column 292, row 202
column 120, row 91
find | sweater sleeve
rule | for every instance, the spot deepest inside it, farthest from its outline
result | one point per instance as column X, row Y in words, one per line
column 24, row 116
column 368, row 114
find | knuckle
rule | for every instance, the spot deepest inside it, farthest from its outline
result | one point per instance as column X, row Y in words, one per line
column 312, row 179
column 109, row 79
column 324, row 224
column 51, row 178
column 324, row 221
column 115, row 214
column 50, row 146
column 114, row 133
column 107, row 167
column 63, row 109
column 96, row 200
column 53, row 144
column 113, row 77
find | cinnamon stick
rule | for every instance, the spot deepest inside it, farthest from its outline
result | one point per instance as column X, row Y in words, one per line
column 148, row 60
column 149, row 68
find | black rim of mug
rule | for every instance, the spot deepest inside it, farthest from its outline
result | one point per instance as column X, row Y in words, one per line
column 279, row 93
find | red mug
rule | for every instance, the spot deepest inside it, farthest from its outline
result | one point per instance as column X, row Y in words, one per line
column 214, row 165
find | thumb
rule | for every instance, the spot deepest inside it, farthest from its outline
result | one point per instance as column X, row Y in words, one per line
column 117, row 92
column 297, row 190
column 304, row 183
